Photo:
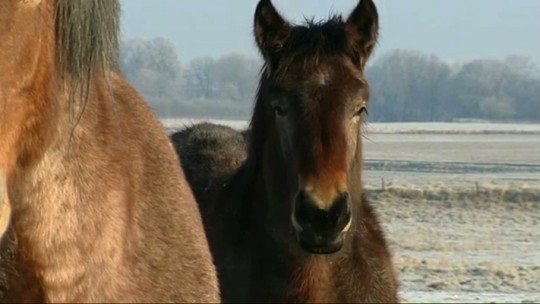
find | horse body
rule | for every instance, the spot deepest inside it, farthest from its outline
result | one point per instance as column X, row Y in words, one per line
column 292, row 223
column 99, row 210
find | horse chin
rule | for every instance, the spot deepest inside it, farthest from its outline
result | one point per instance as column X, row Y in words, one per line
column 321, row 247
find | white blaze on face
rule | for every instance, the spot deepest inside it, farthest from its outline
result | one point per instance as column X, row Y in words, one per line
column 321, row 78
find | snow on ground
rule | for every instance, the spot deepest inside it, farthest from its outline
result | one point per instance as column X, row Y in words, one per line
column 450, row 128
column 399, row 128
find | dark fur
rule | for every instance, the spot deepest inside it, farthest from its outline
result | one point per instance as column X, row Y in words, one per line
column 213, row 152
column 248, row 220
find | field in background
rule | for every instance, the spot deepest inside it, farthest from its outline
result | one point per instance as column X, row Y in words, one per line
column 397, row 127
column 460, row 203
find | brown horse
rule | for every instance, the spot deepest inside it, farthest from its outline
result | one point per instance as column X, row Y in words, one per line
column 292, row 223
column 93, row 204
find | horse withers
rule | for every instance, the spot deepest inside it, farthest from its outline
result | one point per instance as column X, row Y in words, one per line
column 93, row 204
column 292, row 223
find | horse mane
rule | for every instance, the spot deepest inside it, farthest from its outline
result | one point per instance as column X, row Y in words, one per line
column 86, row 38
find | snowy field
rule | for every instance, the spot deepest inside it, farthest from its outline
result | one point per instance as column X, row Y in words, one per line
column 460, row 203
column 398, row 127
column 452, row 128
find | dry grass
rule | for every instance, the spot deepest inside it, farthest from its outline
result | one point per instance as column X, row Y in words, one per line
column 473, row 192
column 456, row 238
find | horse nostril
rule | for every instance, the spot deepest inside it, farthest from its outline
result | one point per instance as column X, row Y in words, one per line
column 304, row 208
column 308, row 215
column 342, row 205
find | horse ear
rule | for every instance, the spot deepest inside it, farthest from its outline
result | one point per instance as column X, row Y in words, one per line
column 362, row 28
column 270, row 29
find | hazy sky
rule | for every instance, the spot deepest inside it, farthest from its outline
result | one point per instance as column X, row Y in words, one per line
column 452, row 29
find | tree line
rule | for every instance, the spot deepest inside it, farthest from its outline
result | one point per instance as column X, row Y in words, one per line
column 405, row 85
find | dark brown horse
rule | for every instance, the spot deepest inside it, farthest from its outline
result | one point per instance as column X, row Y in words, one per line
column 213, row 152
column 93, row 205
column 292, row 223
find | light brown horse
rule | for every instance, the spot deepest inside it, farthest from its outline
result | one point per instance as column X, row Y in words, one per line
column 293, row 223
column 93, row 204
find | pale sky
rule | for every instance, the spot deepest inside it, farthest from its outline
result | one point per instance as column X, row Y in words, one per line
column 452, row 29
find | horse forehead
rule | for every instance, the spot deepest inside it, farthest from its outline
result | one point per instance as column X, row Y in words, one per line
column 320, row 77
column 331, row 76
column 329, row 83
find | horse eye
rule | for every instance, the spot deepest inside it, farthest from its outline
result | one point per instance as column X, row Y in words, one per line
column 361, row 110
column 280, row 111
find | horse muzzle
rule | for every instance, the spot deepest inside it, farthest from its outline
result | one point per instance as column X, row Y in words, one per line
column 319, row 230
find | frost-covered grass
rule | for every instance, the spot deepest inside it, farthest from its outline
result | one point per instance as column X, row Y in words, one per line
column 510, row 192
column 450, row 242
column 179, row 123
column 400, row 127
column 452, row 128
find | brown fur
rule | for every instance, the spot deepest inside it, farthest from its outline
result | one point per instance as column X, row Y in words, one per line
column 5, row 208
column 305, row 133
column 100, row 211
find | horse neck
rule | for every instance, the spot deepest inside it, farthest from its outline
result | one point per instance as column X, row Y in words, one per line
column 68, row 126
column 53, row 199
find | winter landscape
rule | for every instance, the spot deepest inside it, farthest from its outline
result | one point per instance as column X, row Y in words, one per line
column 460, row 203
